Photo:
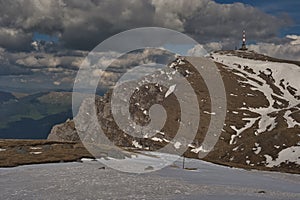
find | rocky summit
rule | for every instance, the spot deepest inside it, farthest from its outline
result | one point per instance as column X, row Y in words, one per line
column 262, row 125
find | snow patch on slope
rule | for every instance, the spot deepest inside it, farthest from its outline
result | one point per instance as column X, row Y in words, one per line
column 290, row 155
column 136, row 144
column 170, row 90
column 197, row 150
column 289, row 120
column 284, row 75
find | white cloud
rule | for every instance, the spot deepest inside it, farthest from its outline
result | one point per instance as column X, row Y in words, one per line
column 46, row 60
column 213, row 46
column 204, row 49
column 289, row 50
column 295, row 38
column 56, row 83
column 198, row 50
column 173, row 14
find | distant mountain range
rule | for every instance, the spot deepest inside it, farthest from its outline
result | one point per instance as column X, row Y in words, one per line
column 6, row 96
column 262, row 126
column 32, row 116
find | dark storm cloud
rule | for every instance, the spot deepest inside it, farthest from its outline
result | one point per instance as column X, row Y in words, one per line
column 89, row 23
column 32, row 15
column 214, row 21
column 83, row 24
column 14, row 39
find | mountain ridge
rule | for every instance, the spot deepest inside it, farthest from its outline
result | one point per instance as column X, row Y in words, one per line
column 262, row 124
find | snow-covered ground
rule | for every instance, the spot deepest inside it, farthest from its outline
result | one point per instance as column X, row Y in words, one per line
column 88, row 180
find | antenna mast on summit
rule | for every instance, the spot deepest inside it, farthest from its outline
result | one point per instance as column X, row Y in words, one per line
column 244, row 47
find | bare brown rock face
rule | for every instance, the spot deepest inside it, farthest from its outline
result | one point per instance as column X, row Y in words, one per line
column 262, row 125
column 64, row 132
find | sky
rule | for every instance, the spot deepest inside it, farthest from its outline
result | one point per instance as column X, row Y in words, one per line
column 43, row 43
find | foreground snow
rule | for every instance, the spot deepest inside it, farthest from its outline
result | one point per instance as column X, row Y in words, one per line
column 88, row 180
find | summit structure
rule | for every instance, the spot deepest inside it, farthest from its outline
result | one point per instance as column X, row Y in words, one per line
column 244, row 47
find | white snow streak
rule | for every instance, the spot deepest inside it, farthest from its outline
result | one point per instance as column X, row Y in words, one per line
column 239, row 131
column 170, row 90
column 289, row 120
column 197, row 150
column 136, row 144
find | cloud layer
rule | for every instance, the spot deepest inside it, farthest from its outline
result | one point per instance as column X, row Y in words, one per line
column 79, row 26
column 288, row 50
column 83, row 24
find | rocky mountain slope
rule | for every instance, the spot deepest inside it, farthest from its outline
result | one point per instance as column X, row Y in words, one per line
column 262, row 125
